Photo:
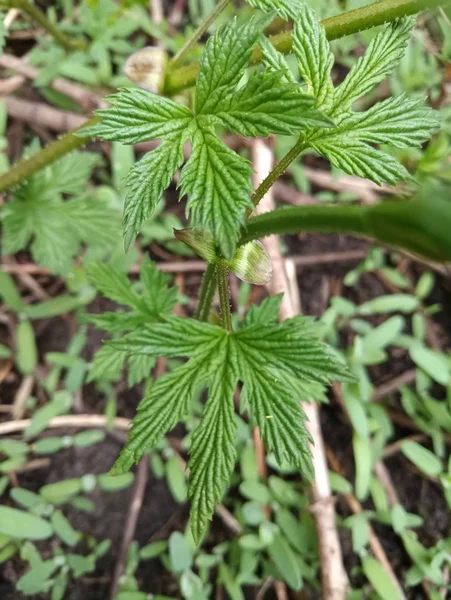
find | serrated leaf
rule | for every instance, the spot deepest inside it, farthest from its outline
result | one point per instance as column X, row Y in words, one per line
column 357, row 158
column 278, row 364
column 212, row 449
column 107, row 365
column 313, row 53
column 147, row 181
column 217, row 182
column 223, row 61
column 113, row 284
column 139, row 368
column 379, row 60
column 136, row 115
column 265, row 313
column 399, row 121
column 287, row 9
column 274, row 61
column 266, row 105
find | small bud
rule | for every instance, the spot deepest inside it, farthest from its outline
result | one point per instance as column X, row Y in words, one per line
column 147, row 68
column 252, row 264
column 199, row 240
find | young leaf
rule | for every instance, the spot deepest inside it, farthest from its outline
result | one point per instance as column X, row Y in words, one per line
column 287, row 9
column 315, row 59
column 275, row 363
column 147, row 181
column 382, row 55
column 217, row 182
column 212, row 450
column 267, row 105
column 138, row 116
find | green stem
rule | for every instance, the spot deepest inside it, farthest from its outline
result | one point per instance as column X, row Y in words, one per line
column 278, row 170
column 222, row 273
column 324, row 219
column 342, row 25
column 420, row 225
column 26, row 167
column 207, row 292
column 203, row 27
column 39, row 17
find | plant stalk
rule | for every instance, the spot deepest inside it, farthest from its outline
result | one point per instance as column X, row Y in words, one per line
column 420, row 225
column 26, row 167
column 222, row 273
column 39, row 17
column 195, row 37
column 207, row 292
column 300, row 146
column 350, row 22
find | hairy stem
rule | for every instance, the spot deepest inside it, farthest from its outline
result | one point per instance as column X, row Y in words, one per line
column 278, row 171
column 39, row 17
column 26, row 167
column 419, row 225
column 207, row 292
column 222, row 273
column 336, row 27
column 195, row 37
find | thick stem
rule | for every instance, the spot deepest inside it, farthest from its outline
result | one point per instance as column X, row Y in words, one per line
column 203, row 27
column 207, row 292
column 324, row 219
column 342, row 25
column 39, row 17
column 278, row 171
column 222, row 273
column 48, row 155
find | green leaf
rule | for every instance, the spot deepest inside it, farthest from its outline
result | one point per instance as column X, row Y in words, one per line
column 60, row 404
column 286, row 562
column 139, row 368
column 223, row 62
column 136, row 115
column 112, row 484
column 399, row 121
column 422, row 458
column 107, row 365
column 434, row 363
column 55, row 226
column 9, row 292
column 267, row 105
column 63, row 529
column 27, row 354
column 176, row 479
column 147, row 181
column 357, row 158
column 18, row 524
column 212, row 449
column 287, row 9
column 363, row 465
column 217, row 182
column 379, row 579
column 153, row 550
column 35, row 580
column 279, row 366
column 379, row 60
column 394, row 302
column 265, row 313
column 274, row 61
column 180, row 553
column 313, row 53
column 113, row 284
column 62, row 491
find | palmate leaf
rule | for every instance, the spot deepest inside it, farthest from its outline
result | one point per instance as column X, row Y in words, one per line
column 267, row 103
column 398, row 121
column 148, row 301
column 278, row 366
